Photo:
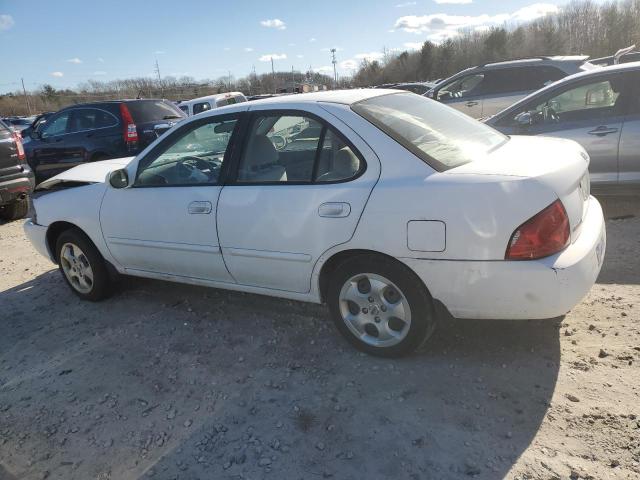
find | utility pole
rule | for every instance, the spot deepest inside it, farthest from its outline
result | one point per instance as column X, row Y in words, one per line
column 24, row 90
column 159, row 78
column 335, row 71
column 273, row 72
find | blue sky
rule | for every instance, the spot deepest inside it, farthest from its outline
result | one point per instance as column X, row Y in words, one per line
column 68, row 42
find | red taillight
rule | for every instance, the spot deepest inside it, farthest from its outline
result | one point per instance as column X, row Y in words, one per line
column 130, row 131
column 542, row 235
column 19, row 147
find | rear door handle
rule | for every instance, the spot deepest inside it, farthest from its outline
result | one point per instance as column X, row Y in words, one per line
column 471, row 103
column 200, row 208
column 334, row 210
column 602, row 131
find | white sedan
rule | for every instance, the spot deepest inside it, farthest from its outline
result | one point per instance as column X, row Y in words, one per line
column 388, row 206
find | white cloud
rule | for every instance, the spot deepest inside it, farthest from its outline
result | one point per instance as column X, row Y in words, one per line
column 440, row 26
column 370, row 57
column 274, row 56
column 274, row 23
column 292, row 44
column 57, row 74
column 101, row 60
column 537, row 10
column 75, row 60
column 413, row 45
column 312, row 39
column 226, row 49
column 99, row 72
column 248, row 49
column 159, row 52
column 300, row 55
column 406, row 4
column 6, row 22
column 350, row 64
column 456, row 2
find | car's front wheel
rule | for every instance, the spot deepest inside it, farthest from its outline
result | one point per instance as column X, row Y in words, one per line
column 82, row 266
column 380, row 306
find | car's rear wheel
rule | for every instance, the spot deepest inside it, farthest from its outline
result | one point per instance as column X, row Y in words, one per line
column 82, row 266
column 15, row 210
column 380, row 306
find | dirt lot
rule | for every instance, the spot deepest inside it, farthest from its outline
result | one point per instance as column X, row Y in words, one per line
column 169, row 381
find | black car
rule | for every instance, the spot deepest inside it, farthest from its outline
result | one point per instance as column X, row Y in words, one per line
column 16, row 178
column 97, row 131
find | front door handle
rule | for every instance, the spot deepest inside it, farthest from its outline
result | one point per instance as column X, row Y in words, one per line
column 200, row 208
column 334, row 210
column 471, row 103
column 602, row 131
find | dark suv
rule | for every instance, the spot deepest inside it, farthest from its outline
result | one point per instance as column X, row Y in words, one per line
column 97, row 131
column 16, row 178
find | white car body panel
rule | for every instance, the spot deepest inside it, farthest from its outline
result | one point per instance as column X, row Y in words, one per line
column 451, row 228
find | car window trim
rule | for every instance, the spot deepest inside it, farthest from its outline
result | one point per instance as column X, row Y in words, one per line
column 251, row 117
column 165, row 143
column 74, row 110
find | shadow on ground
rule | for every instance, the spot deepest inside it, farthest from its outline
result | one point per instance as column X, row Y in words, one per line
column 179, row 382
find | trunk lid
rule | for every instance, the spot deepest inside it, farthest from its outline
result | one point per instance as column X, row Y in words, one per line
column 9, row 162
column 559, row 164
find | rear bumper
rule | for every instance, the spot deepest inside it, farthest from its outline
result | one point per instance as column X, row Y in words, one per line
column 532, row 289
column 20, row 185
column 37, row 235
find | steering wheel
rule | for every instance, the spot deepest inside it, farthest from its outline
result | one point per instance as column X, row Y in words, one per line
column 550, row 115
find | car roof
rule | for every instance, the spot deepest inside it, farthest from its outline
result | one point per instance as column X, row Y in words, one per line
column 631, row 66
column 346, row 97
column 211, row 97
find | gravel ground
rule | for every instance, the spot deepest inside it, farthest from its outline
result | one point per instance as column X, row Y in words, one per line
column 170, row 381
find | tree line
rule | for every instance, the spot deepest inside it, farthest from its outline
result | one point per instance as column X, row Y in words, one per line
column 581, row 27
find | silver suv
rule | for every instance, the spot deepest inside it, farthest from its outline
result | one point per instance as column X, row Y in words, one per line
column 485, row 90
column 600, row 110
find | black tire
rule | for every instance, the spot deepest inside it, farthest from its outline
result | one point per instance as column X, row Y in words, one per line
column 15, row 210
column 423, row 321
column 101, row 282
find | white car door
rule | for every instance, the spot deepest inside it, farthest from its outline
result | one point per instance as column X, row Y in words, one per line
column 165, row 222
column 300, row 189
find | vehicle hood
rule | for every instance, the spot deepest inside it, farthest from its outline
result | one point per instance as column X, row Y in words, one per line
column 94, row 172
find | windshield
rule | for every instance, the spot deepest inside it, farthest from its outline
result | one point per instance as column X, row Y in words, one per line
column 439, row 135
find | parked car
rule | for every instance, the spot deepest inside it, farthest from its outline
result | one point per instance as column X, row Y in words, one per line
column 16, row 178
column 624, row 55
column 484, row 90
column 97, row 131
column 416, row 87
column 397, row 208
column 18, row 124
column 35, row 126
column 203, row 104
column 600, row 109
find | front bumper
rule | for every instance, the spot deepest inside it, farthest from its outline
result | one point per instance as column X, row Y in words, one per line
column 37, row 235
column 530, row 289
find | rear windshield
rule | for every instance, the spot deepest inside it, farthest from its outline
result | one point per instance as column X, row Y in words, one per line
column 144, row 111
column 439, row 135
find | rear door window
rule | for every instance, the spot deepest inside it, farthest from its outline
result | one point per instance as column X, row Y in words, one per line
column 144, row 111
column 84, row 119
column 462, row 87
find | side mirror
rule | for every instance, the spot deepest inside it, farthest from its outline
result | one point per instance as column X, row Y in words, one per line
column 35, row 134
column 119, row 178
column 524, row 119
